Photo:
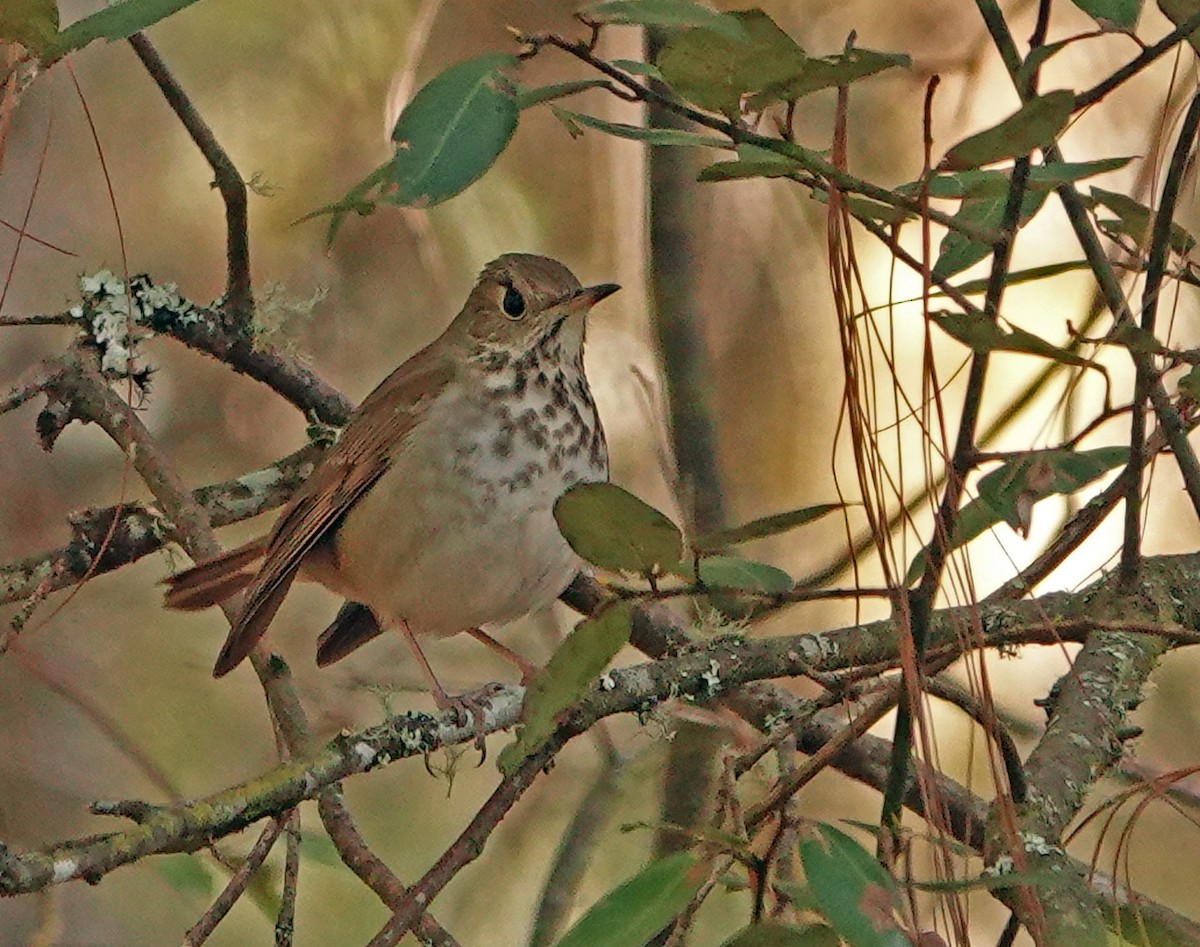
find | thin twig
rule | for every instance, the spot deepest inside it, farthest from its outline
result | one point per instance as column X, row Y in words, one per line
column 140, row 531
column 807, row 159
column 285, row 920
column 239, row 294
column 1137, row 64
column 1156, row 261
column 370, row 869
column 199, row 932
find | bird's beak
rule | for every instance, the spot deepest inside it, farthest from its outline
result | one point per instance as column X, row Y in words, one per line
column 583, row 299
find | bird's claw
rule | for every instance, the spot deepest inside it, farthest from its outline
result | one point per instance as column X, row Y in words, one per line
column 471, row 707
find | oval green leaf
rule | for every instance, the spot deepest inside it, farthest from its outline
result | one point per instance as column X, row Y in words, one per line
column 32, row 23
column 731, row 574
column 1034, row 124
column 117, row 21
column 764, row 526
column 1007, row 494
column 856, row 896
column 631, row 914
column 740, row 170
column 981, row 334
column 613, row 529
column 666, row 13
column 651, row 136
column 526, row 98
column 577, row 662
column 828, row 72
column 958, row 252
column 1112, row 15
column 1135, row 219
column 453, row 130
column 715, row 71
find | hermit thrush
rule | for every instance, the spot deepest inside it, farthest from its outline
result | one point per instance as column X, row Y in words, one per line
column 433, row 512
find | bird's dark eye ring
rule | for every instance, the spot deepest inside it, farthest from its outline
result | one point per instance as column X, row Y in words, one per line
column 513, row 303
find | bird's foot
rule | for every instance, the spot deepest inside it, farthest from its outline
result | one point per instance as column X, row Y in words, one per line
column 470, row 706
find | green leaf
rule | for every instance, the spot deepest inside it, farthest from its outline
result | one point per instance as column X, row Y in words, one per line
column 1135, row 220
column 1136, row 339
column 778, row 934
column 452, row 131
column 866, row 209
column 1037, row 58
column 983, row 335
column 120, row 20
column 1036, row 123
column 829, row 72
column 1054, row 173
column 32, row 23
column 613, row 529
column 1113, row 15
column 1030, row 275
column 527, row 98
column 715, row 71
column 631, row 914
column 652, row 136
column 1189, row 384
column 637, row 68
column 731, row 574
column 980, row 183
column 957, row 252
column 668, row 13
column 571, row 670
column 186, row 874
column 764, row 526
column 740, row 170
column 753, row 161
column 985, row 195
column 856, row 896
column 1007, row 494
column 1179, row 12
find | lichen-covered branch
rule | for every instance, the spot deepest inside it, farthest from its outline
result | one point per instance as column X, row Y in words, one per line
column 116, row 319
column 704, row 673
column 1084, row 739
column 141, row 530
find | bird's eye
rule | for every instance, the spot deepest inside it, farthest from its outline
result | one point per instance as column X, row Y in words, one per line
column 513, row 303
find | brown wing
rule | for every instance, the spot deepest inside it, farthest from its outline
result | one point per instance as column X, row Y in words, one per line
column 344, row 474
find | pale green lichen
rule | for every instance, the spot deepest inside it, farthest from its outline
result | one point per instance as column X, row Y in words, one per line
column 1036, row 844
column 712, row 678
column 117, row 326
column 280, row 319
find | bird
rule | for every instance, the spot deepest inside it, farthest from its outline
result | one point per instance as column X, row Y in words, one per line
column 433, row 512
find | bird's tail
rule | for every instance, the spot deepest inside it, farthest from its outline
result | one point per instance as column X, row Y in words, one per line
column 214, row 580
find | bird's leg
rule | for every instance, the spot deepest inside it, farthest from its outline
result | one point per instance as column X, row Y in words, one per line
column 463, row 705
column 529, row 670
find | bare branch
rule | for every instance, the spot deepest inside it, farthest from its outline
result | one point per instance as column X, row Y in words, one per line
column 239, row 296
column 199, row 932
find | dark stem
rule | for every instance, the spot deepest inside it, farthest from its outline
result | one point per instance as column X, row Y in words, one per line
column 1137, row 64
column 1160, row 245
column 239, row 297
column 921, row 601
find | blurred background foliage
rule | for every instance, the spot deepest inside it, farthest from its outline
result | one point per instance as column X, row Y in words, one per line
column 108, row 696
